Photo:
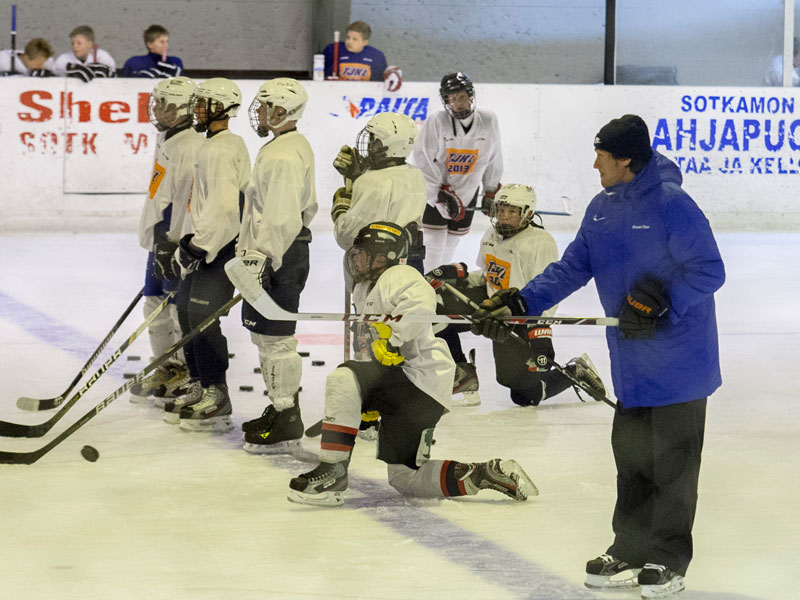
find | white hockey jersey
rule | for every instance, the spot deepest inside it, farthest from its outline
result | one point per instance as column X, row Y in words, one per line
column 19, row 66
column 96, row 56
column 170, row 183
column 402, row 290
column 514, row 261
column 281, row 197
column 395, row 194
column 448, row 155
column 222, row 172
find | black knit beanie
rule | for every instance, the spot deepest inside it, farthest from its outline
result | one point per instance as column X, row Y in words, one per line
column 626, row 137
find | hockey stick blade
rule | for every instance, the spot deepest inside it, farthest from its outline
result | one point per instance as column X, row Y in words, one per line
column 255, row 295
column 8, row 429
column 37, row 404
column 315, row 430
column 27, row 458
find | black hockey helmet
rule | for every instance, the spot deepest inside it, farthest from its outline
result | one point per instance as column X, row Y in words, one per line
column 454, row 83
column 377, row 247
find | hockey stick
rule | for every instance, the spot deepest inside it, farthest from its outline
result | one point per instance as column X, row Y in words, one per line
column 35, row 404
column 8, row 429
column 13, row 37
column 335, row 70
column 264, row 304
column 437, row 283
column 27, row 458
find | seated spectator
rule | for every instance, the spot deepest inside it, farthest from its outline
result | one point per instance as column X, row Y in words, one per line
column 155, row 63
column 774, row 75
column 357, row 61
column 86, row 61
column 34, row 61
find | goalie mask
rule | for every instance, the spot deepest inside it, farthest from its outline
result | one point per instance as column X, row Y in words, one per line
column 171, row 103
column 377, row 247
column 458, row 95
column 386, row 140
column 277, row 102
column 512, row 209
column 215, row 100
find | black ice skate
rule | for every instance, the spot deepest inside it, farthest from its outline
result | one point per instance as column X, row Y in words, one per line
column 177, row 385
column 607, row 572
column 466, row 383
column 504, row 476
column 582, row 368
column 658, row 581
column 212, row 413
column 321, row 487
column 281, row 432
column 173, row 408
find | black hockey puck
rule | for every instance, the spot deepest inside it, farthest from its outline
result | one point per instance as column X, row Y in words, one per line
column 257, row 370
column 134, row 357
column 317, row 363
column 245, row 388
column 303, row 354
column 266, row 393
column 90, row 453
column 129, row 375
column 231, row 355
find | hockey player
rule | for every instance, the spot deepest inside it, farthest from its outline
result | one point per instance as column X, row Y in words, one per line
column 163, row 222
column 512, row 252
column 458, row 152
column 220, row 178
column 280, row 203
column 409, row 382
column 86, row 61
column 34, row 61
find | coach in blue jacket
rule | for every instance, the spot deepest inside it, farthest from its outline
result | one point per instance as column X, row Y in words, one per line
column 656, row 265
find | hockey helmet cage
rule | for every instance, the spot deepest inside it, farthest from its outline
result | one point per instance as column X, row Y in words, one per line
column 395, row 132
column 452, row 84
column 213, row 91
column 178, row 92
column 517, row 195
column 377, row 247
column 282, row 92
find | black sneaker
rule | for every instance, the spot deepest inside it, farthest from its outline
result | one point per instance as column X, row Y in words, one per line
column 280, row 435
column 607, row 572
column 658, row 581
column 321, row 487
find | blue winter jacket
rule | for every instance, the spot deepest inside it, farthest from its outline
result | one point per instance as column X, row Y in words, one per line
column 647, row 227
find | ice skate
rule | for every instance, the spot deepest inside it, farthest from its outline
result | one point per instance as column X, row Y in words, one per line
column 321, row 487
column 606, row 572
column 212, row 413
column 178, row 385
column 658, row 581
column 259, row 423
column 583, row 369
column 504, row 476
column 154, row 384
column 173, row 408
column 280, row 432
column 466, row 383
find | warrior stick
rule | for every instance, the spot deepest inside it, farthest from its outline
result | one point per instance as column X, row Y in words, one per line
column 266, row 306
column 27, row 458
column 13, row 37
column 8, row 429
column 35, row 404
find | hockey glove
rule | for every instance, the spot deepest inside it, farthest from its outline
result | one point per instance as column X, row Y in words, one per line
column 188, row 256
column 487, row 320
column 540, row 339
column 79, row 71
column 100, row 70
column 341, row 203
column 643, row 307
column 384, row 352
column 488, row 200
column 348, row 163
column 41, row 73
column 258, row 264
column 163, row 265
column 449, row 204
column 454, row 273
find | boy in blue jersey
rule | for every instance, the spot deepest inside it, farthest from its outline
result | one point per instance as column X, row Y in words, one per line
column 656, row 265
column 155, row 63
column 357, row 61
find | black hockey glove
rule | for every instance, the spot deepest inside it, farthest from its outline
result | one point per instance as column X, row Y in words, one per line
column 487, row 320
column 41, row 73
column 79, row 71
column 540, row 340
column 100, row 70
column 348, row 163
column 644, row 305
column 163, row 265
column 188, row 256
column 454, row 273
column 452, row 204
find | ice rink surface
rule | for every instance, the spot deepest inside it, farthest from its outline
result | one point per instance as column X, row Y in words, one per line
column 169, row 514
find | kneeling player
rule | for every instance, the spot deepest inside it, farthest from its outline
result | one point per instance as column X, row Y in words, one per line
column 512, row 252
column 409, row 382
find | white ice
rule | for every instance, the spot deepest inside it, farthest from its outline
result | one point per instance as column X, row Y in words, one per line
column 169, row 514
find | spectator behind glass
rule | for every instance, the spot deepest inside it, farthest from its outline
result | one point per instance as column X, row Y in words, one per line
column 774, row 75
column 357, row 60
column 86, row 61
column 34, row 61
column 155, row 63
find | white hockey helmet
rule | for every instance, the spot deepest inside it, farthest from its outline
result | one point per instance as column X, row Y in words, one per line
column 172, row 103
column 281, row 92
column 516, row 195
column 395, row 132
column 217, row 90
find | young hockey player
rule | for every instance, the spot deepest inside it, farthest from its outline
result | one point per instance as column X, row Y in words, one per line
column 220, row 178
column 409, row 382
column 512, row 252
column 86, row 61
column 280, row 203
column 163, row 222
column 458, row 152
